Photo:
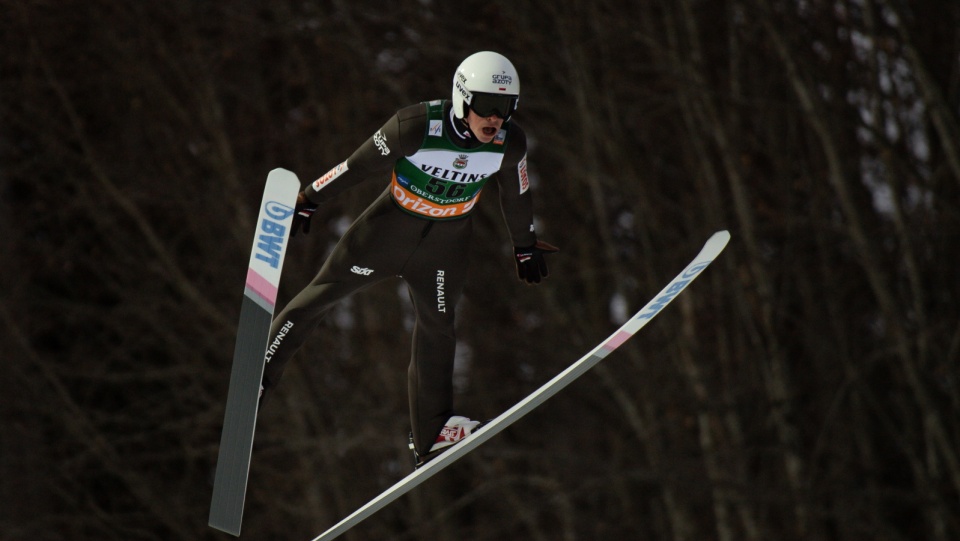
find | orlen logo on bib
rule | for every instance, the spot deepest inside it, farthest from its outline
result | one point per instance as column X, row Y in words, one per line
column 272, row 233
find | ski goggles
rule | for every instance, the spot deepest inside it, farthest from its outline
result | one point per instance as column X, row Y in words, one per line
column 486, row 105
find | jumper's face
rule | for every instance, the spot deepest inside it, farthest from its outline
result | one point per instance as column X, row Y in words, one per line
column 484, row 128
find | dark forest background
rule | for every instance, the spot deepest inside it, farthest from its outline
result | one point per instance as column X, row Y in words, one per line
column 805, row 387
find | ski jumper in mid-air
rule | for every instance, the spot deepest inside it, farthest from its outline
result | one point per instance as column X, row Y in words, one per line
column 437, row 157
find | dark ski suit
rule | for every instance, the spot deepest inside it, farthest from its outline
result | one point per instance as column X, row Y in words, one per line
column 418, row 229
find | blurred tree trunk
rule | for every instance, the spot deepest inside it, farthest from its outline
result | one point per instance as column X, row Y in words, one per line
column 857, row 228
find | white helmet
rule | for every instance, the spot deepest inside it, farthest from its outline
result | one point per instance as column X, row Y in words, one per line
column 487, row 83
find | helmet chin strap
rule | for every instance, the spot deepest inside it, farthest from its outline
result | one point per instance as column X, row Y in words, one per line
column 468, row 132
column 465, row 133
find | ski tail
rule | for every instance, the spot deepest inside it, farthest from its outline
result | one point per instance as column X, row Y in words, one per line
column 253, row 332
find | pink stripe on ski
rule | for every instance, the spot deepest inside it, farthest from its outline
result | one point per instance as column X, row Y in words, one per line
column 262, row 287
column 615, row 340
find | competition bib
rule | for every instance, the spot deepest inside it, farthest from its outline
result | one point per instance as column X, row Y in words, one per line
column 442, row 181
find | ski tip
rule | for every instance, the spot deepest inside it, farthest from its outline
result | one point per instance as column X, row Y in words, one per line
column 284, row 174
column 722, row 236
